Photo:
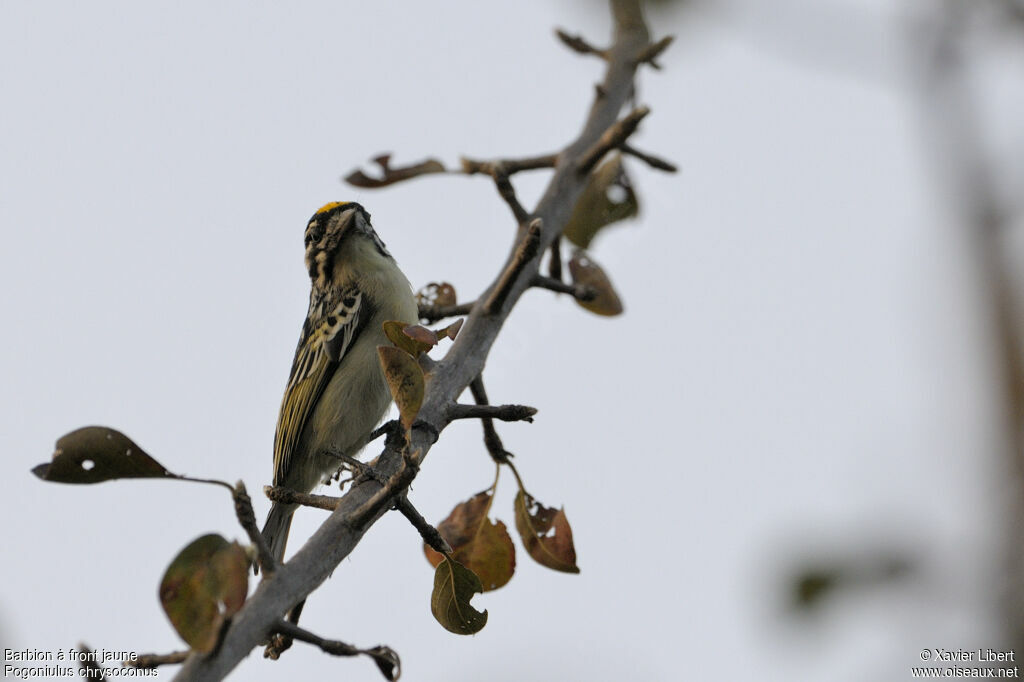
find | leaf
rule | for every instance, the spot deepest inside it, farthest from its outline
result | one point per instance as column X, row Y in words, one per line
column 482, row 545
column 412, row 338
column 585, row 271
column 405, row 379
column 436, row 294
column 454, row 587
column 94, row 454
column 203, row 588
column 545, row 533
column 387, row 661
column 607, row 198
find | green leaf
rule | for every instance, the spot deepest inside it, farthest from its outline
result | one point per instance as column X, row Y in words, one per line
column 203, row 588
column 454, row 587
column 545, row 533
column 585, row 270
column 94, row 454
column 405, row 379
column 482, row 545
column 607, row 198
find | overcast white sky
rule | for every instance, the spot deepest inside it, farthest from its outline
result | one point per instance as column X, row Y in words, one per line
column 801, row 366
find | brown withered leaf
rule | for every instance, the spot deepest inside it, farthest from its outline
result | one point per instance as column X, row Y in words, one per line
column 436, row 294
column 412, row 338
column 405, row 379
column 97, row 453
column 607, row 198
column 545, row 533
column 454, row 587
column 203, row 588
column 482, row 545
column 584, row 270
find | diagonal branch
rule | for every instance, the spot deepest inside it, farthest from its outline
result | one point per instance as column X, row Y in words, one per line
column 369, row 499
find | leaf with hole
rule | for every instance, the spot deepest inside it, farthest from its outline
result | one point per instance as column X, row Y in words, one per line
column 586, row 271
column 203, row 588
column 454, row 587
column 482, row 545
column 607, row 198
column 94, row 454
column 546, row 534
column 440, row 294
column 405, row 379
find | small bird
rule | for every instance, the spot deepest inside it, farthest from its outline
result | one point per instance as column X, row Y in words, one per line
column 336, row 393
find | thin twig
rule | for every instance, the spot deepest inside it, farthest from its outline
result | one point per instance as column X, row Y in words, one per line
column 555, row 259
column 385, row 657
column 430, row 535
column 149, row 661
column 289, row 496
column 492, row 441
column 511, row 166
column 506, row 413
column 433, row 313
column 578, row 44
column 525, row 252
column 247, row 518
column 508, row 193
column 389, row 175
column 650, row 159
column 612, row 138
column 653, row 51
column 581, row 292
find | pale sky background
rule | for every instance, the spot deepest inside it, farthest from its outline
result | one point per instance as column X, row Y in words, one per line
column 801, row 371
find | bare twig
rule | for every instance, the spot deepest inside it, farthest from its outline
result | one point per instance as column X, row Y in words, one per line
column 511, row 166
column 247, row 518
column 555, row 260
column 430, row 535
column 653, row 51
column 581, row 292
column 612, row 138
column 289, row 496
column 390, row 176
column 508, row 193
column 506, row 413
column 576, row 43
column 149, row 661
column 650, row 159
column 492, row 441
column 524, row 254
column 433, row 313
column 385, row 657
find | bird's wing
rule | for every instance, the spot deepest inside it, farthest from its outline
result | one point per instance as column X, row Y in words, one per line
column 321, row 349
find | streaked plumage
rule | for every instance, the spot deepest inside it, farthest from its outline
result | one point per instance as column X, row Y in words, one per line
column 336, row 394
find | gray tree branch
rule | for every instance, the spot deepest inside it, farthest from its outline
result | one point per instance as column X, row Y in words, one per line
column 370, row 499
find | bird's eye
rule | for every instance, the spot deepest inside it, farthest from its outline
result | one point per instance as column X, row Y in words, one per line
column 315, row 234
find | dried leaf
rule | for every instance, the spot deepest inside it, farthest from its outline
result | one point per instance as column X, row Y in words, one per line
column 545, row 533
column 203, row 588
column 97, row 453
column 482, row 545
column 413, row 339
column 436, row 294
column 607, row 198
column 405, row 379
column 387, row 661
column 585, row 271
column 454, row 587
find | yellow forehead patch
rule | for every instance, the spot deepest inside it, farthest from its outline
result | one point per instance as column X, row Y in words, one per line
column 328, row 207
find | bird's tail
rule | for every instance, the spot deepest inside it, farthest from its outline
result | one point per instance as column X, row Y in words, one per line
column 275, row 530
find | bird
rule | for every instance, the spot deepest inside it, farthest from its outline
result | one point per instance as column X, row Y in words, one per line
column 336, row 393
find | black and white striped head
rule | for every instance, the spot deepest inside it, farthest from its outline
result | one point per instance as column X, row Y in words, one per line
column 330, row 235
